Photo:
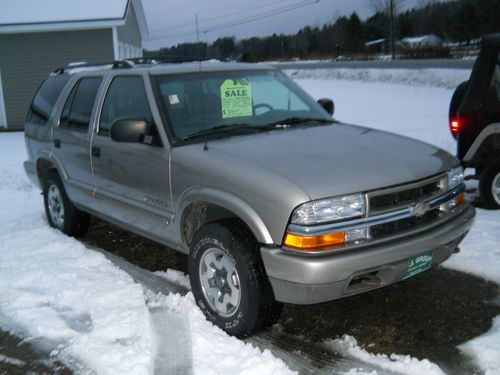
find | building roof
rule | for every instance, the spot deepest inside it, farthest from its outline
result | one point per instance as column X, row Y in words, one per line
column 375, row 42
column 420, row 39
column 22, row 16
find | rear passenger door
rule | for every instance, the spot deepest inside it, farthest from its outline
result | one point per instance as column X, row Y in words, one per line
column 71, row 139
column 132, row 179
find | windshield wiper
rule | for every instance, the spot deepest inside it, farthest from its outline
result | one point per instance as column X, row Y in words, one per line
column 219, row 129
column 297, row 121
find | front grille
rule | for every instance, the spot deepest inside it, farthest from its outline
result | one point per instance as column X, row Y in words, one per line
column 401, row 226
column 396, row 198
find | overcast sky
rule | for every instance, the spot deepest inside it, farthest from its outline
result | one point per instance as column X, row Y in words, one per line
column 172, row 22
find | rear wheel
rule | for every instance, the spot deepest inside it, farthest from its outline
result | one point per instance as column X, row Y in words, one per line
column 228, row 279
column 489, row 186
column 60, row 211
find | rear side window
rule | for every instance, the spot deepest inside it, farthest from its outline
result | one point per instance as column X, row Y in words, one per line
column 45, row 99
column 126, row 99
column 78, row 107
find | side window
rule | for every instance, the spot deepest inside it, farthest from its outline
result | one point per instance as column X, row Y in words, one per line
column 126, row 99
column 78, row 107
column 493, row 94
column 45, row 99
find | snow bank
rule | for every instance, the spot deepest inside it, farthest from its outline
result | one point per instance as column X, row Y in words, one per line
column 57, row 291
column 448, row 78
column 486, row 349
column 216, row 353
column 52, row 287
column 347, row 346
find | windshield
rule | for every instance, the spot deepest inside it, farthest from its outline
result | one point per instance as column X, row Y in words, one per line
column 201, row 104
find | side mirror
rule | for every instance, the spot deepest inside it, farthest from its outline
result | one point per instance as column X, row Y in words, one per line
column 131, row 131
column 327, row 105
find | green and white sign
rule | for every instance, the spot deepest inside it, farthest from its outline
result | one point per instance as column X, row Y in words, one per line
column 236, row 98
column 419, row 264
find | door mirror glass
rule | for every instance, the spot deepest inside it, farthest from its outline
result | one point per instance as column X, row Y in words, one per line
column 327, row 105
column 131, row 131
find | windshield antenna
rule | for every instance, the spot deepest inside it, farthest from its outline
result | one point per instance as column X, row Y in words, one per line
column 205, row 146
column 198, row 41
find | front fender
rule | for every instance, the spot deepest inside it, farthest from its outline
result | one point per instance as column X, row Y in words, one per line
column 230, row 202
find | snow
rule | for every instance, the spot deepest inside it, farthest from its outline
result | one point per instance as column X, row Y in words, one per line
column 486, row 349
column 348, row 346
column 435, row 77
column 88, row 309
column 84, row 307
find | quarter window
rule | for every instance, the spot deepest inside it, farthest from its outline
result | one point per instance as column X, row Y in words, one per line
column 126, row 99
column 77, row 110
column 45, row 99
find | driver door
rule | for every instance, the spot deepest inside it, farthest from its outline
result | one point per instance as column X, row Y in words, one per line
column 131, row 179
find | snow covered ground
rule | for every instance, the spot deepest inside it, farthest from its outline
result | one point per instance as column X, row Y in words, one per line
column 96, row 316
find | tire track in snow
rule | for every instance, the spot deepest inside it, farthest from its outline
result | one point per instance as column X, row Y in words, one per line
column 172, row 359
column 173, row 346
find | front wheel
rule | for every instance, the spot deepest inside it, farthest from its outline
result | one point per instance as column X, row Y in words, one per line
column 489, row 186
column 228, row 279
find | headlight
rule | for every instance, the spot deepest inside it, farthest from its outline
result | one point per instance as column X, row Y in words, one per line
column 455, row 177
column 331, row 209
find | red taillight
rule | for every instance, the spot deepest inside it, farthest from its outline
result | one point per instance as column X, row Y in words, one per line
column 455, row 126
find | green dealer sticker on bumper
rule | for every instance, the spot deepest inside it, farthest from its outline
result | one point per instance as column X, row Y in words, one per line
column 236, row 98
column 418, row 264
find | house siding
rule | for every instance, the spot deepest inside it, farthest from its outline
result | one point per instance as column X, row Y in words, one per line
column 26, row 59
column 129, row 37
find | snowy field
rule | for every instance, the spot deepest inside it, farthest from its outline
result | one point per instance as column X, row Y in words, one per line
column 97, row 317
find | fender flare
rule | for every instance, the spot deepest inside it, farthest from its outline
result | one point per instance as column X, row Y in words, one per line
column 229, row 202
column 476, row 146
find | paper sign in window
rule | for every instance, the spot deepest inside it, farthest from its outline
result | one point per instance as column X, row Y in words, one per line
column 236, row 98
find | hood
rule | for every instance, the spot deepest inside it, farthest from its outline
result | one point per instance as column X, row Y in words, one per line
column 330, row 160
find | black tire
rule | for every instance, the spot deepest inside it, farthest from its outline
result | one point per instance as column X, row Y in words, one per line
column 490, row 176
column 75, row 222
column 456, row 101
column 257, row 308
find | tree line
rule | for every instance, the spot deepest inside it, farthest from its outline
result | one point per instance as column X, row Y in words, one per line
column 458, row 21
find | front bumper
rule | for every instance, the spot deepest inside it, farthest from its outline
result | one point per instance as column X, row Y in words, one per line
column 307, row 280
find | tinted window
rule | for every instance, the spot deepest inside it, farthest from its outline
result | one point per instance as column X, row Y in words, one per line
column 78, row 108
column 126, row 99
column 45, row 98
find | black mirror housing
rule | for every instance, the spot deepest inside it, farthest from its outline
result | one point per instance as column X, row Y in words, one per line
column 327, row 105
column 130, row 131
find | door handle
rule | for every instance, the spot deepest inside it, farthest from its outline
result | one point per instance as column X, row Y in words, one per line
column 57, row 143
column 96, row 151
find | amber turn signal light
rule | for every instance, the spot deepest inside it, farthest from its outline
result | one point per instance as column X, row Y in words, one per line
column 318, row 242
column 459, row 198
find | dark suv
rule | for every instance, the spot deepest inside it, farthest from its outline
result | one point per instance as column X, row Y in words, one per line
column 475, row 121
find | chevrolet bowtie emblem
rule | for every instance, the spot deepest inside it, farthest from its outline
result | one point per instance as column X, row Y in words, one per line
column 420, row 209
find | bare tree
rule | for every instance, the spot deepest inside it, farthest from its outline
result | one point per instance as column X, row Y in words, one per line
column 392, row 8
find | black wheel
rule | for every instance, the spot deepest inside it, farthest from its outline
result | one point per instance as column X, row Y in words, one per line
column 228, row 279
column 61, row 213
column 489, row 186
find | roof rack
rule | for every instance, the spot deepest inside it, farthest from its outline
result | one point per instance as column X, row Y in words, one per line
column 117, row 64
